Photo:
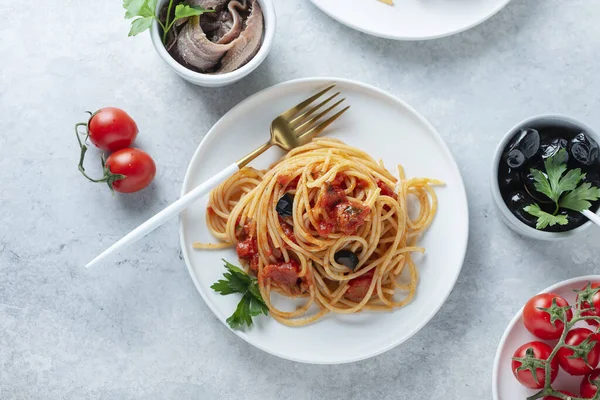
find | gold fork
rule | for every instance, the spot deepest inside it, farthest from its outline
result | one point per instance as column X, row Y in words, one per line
column 298, row 125
column 295, row 127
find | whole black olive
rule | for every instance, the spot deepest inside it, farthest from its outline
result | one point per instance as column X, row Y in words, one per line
column 346, row 258
column 518, row 201
column 524, row 146
column 515, row 158
column 510, row 179
column 285, row 205
column 584, row 149
column 551, row 146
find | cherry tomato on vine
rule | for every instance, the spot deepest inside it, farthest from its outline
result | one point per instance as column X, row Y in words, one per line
column 593, row 303
column 134, row 169
column 530, row 357
column 546, row 324
column 587, row 388
column 578, row 366
column 556, row 398
column 112, row 129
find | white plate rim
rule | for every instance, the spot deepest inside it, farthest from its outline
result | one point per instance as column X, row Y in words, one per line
column 364, row 86
column 517, row 318
column 349, row 24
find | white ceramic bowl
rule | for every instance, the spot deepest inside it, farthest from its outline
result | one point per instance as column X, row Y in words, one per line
column 214, row 80
column 508, row 217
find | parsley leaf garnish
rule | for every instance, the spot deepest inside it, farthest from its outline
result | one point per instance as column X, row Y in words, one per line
column 542, row 184
column 579, row 199
column 185, row 11
column 544, row 218
column 251, row 304
column 555, row 184
column 562, row 188
column 143, row 12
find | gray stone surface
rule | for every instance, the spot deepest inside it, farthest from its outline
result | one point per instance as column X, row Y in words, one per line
column 136, row 328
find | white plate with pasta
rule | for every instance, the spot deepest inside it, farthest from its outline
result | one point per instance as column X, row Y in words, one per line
column 411, row 19
column 407, row 236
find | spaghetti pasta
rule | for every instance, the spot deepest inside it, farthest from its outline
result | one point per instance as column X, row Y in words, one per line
column 342, row 200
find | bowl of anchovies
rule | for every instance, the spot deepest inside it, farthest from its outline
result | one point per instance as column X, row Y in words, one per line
column 207, row 42
column 545, row 173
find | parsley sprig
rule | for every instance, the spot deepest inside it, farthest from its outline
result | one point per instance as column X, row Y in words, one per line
column 251, row 304
column 143, row 12
column 563, row 188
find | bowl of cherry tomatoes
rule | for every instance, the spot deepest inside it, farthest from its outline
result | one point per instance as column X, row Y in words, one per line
column 551, row 348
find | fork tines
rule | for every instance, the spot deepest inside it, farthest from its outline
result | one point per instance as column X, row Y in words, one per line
column 303, row 120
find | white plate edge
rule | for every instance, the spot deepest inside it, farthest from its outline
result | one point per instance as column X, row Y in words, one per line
column 413, row 38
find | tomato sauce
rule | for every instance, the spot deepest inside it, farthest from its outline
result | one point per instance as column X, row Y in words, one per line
column 358, row 287
column 246, row 248
column 386, row 190
column 288, row 230
column 287, row 180
column 283, row 274
column 341, row 214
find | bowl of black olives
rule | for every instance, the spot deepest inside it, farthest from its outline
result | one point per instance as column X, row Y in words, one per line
column 545, row 172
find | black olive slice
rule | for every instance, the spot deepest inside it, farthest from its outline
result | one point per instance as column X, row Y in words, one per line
column 346, row 258
column 285, row 205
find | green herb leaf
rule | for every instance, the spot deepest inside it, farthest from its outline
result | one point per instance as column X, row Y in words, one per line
column 185, row 11
column 143, row 12
column 229, row 286
column 545, row 219
column 140, row 25
column 247, row 308
column 257, row 306
column 256, row 292
column 251, row 304
column 563, row 190
column 133, row 8
column 241, row 316
column 541, row 184
column 237, row 271
column 236, row 281
column 139, row 8
column 579, row 199
column 571, row 180
column 555, row 167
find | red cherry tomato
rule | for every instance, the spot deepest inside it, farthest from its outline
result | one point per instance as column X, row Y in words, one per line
column 556, row 398
column 112, row 129
column 577, row 366
column 539, row 322
column 137, row 167
column 527, row 353
column 587, row 388
column 595, row 304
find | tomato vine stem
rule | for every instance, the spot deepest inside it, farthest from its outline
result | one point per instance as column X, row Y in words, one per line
column 568, row 325
column 108, row 177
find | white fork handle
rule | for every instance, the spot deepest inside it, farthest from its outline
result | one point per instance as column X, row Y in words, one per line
column 166, row 214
